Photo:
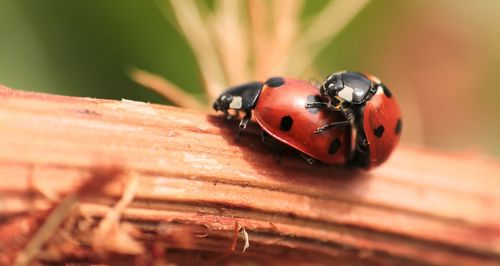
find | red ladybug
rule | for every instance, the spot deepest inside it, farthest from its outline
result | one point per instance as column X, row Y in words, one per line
column 279, row 108
column 370, row 109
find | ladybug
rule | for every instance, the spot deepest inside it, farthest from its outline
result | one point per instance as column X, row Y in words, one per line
column 369, row 108
column 278, row 106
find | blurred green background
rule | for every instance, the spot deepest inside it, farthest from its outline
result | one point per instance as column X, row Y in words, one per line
column 440, row 58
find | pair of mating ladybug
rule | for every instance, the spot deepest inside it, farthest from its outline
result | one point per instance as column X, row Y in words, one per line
column 352, row 119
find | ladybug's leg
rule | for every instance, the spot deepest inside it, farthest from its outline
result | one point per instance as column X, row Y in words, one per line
column 243, row 124
column 226, row 113
column 350, row 120
column 316, row 105
column 332, row 125
column 244, row 121
column 325, row 105
column 309, row 159
column 269, row 140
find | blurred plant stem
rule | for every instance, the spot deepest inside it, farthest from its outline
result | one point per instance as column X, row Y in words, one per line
column 165, row 88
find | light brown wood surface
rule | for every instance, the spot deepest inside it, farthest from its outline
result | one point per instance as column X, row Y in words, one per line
column 421, row 207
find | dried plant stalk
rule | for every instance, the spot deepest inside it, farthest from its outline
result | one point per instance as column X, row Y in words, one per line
column 192, row 24
column 323, row 28
column 166, row 89
column 231, row 40
column 197, row 189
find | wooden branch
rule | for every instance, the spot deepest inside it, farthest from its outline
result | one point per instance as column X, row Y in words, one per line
column 198, row 190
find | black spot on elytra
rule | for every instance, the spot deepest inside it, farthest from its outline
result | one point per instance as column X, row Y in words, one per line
column 379, row 131
column 387, row 92
column 275, row 82
column 286, row 123
column 313, row 99
column 399, row 127
column 334, row 146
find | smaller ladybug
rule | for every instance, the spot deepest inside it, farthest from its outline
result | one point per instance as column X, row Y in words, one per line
column 278, row 107
column 371, row 111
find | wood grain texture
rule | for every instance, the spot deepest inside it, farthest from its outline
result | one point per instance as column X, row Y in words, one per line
column 421, row 207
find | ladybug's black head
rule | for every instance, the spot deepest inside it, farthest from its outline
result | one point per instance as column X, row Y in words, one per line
column 242, row 97
column 223, row 102
column 351, row 87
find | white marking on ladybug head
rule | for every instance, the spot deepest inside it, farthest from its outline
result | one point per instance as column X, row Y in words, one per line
column 223, row 97
column 236, row 103
column 380, row 90
column 346, row 93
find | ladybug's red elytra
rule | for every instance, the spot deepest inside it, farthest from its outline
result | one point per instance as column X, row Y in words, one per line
column 325, row 124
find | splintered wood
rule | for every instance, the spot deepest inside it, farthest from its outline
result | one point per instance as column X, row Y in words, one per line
column 151, row 184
